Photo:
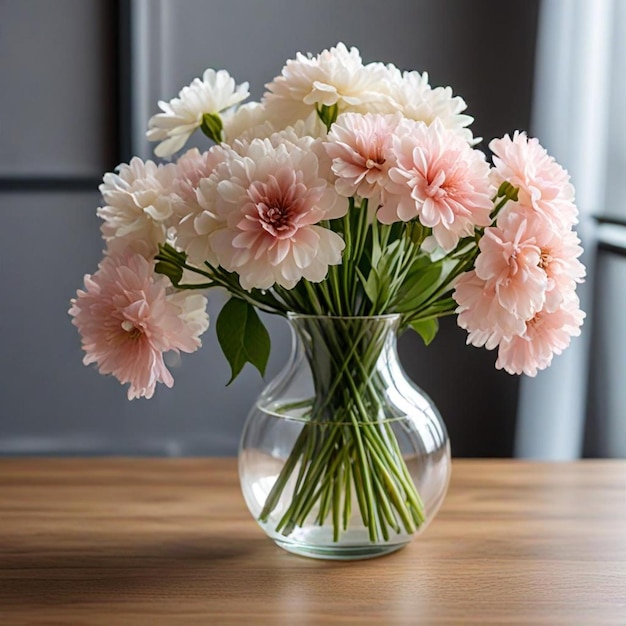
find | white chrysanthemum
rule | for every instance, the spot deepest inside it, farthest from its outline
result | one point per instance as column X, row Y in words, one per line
column 411, row 94
column 191, row 311
column 268, row 199
column 138, row 205
column 249, row 121
column 216, row 92
column 302, row 132
column 311, row 126
column 309, row 134
column 334, row 77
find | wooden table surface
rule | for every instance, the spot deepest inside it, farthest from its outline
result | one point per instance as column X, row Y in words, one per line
column 147, row 541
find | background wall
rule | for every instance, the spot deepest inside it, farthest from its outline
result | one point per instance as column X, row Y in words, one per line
column 78, row 84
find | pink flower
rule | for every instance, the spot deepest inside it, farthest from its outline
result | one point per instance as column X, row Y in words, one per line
column 547, row 334
column 521, row 295
column 360, row 147
column 510, row 260
column 269, row 198
column 481, row 313
column 191, row 168
column 559, row 252
column 127, row 321
column 195, row 219
column 543, row 184
column 439, row 179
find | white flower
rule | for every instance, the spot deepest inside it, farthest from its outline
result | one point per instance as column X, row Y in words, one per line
column 191, row 311
column 268, row 198
column 138, row 205
column 311, row 126
column 215, row 93
column 334, row 77
column 411, row 95
column 308, row 134
column 249, row 121
column 303, row 133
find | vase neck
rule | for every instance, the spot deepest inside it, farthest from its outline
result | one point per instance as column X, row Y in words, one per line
column 346, row 354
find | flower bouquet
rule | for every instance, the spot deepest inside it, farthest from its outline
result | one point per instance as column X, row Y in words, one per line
column 351, row 192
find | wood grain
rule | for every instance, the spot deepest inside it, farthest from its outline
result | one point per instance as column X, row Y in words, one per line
column 145, row 541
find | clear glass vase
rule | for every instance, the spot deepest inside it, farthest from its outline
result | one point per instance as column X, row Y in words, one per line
column 343, row 457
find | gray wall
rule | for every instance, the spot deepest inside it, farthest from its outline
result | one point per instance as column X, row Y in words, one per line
column 605, row 434
column 61, row 127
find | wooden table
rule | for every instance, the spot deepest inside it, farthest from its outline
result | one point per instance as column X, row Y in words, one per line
column 119, row 541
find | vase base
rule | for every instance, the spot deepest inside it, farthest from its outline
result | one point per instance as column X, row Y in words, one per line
column 339, row 553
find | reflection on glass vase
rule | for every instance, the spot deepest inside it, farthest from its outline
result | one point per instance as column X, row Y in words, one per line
column 343, row 457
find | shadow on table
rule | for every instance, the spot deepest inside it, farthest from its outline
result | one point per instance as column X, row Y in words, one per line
column 93, row 571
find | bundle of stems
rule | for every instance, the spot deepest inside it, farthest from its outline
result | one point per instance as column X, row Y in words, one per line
column 347, row 444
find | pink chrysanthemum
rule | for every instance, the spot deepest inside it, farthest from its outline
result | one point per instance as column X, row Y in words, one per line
column 360, row 147
column 510, row 260
column 558, row 251
column 481, row 314
column 543, row 184
column 196, row 220
column 439, row 179
column 127, row 321
column 525, row 268
column 269, row 197
column 191, row 168
column 547, row 334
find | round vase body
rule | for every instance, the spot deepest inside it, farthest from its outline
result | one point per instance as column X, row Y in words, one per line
column 343, row 456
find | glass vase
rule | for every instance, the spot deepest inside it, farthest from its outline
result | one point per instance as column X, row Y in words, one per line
column 342, row 456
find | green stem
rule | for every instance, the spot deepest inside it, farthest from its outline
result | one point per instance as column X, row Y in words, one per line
column 346, row 449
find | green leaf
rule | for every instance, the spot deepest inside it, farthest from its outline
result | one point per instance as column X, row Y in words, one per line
column 166, row 251
column 439, row 308
column 507, row 190
column 370, row 284
column 418, row 266
column 426, row 329
column 212, row 126
column 328, row 114
column 418, row 287
column 170, row 262
column 242, row 337
column 171, row 270
column 418, row 233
